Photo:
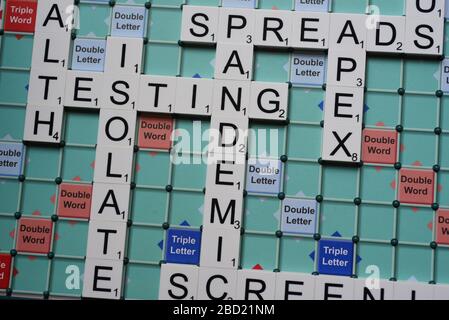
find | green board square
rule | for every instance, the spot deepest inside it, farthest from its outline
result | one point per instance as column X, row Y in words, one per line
column 81, row 127
column 389, row 78
column 42, row 162
column 7, row 231
column 377, row 255
column 295, row 255
column 142, row 282
column 193, row 62
column 271, row 66
column 31, row 274
column 445, row 113
column 337, row 217
column 144, row 244
column 390, row 7
column 346, row 178
column 262, row 213
column 37, row 198
column 78, row 163
column 209, row 3
column 310, row 151
column 169, row 2
column 266, row 140
column 420, row 111
column 413, row 262
column 190, row 175
column 136, row 2
column 13, row 85
column 444, row 152
column 187, row 206
column 372, row 178
column 161, row 59
column 422, row 75
column 94, row 20
column 16, row 51
column 149, row 206
column 71, row 238
column 265, row 258
column 376, row 222
column 164, row 24
column 302, row 178
column 418, row 149
column 66, row 277
column 9, row 189
column 191, row 136
column 16, row 124
column 446, row 48
column 383, row 109
column 348, row 6
column 443, row 189
column 304, row 105
column 442, row 259
column 415, row 225
column 145, row 164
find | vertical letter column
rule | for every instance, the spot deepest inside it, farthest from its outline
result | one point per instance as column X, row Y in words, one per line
column 223, row 208
column 344, row 103
column 113, row 169
column 43, row 122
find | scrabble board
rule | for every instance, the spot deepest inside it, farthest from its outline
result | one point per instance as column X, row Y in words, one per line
column 224, row 149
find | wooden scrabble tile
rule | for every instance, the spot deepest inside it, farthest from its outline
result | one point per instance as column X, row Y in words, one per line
column 43, row 124
column 234, row 62
column 236, row 25
column 310, row 30
column 46, row 88
column 217, row 284
column 117, row 128
column 110, row 202
column 388, row 36
column 113, row 164
column 157, row 94
column 256, row 285
column 273, row 28
column 220, row 248
column 334, row 288
column 178, row 282
column 348, row 32
column 106, row 240
column 102, row 279
column 294, row 286
column 269, row 101
column 194, row 96
column 346, row 68
column 83, row 89
column 120, row 91
column 199, row 24
column 124, row 55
